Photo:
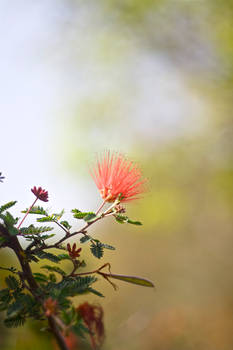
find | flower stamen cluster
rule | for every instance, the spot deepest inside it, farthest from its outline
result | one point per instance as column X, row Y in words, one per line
column 117, row 178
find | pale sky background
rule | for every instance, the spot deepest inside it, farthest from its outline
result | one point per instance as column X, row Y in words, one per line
column 31, row 96
column 47, row 66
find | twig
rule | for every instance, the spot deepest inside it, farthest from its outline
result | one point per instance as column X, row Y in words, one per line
column 81, row 231
column 101, row 206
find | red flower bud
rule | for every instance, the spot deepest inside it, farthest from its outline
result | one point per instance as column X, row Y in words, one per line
column 40, row 193
column 50, row 306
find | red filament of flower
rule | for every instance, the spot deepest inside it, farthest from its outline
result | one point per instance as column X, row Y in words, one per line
column 117, row 177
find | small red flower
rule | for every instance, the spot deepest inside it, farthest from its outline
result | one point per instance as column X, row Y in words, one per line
column 40, row 193
column 92, row 315
column 73, row 253
column 117, row 177
column 50, row 306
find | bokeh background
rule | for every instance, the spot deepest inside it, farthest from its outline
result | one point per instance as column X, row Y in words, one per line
column 152, row 79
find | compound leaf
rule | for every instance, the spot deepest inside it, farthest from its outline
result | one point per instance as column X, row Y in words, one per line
column 7, row 206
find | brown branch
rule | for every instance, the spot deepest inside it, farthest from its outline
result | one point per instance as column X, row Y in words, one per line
column 99, row 272
column 67, row 236
column 57, row 334
column 13, row 243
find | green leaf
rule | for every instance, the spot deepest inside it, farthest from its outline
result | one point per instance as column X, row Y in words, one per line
column 35, row 230
column 96, row 292
column 44, row 237
column 80, row 330
column 69, row 315
column 90, row 217
column 121, row 219
column 76, row 285
column 103, row 245
column 58, row 216
column 7, row 206
column 2, row 240
column 3, row 306
column 54, row 269
column 12, row 282
column 36, row 210
column 64, row 257
column 32, row 257
column 48, row 218
column 38, row 239
column 44, row 255
column 5, row 298
column 66, row 224
column 79, row 214
column 8, row 219
column 13, row 231
column 23, row 304
column 40, row 277
column 52, row 278
column 97, row 249
column 4, row 292
column 138, row 223
column 132, row 279
column 107, row 246
column 85, row 238
column 14, row 322
column 15, row 308
column 11, row 269
column 51, row 218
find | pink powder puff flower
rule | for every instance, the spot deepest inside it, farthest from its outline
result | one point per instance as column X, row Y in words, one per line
column 40, row 193
column 117, row 177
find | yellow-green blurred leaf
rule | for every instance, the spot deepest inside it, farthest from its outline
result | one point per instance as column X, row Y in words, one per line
column 132, row 279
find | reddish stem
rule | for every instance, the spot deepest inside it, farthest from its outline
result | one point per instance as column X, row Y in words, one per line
column 101, row 206
column 27, row 212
